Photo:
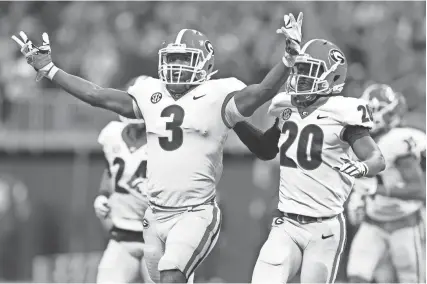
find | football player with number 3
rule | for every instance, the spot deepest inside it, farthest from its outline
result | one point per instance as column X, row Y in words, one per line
column 317, row 130
column 123, row 201
column 188, row 117
column 394, row 223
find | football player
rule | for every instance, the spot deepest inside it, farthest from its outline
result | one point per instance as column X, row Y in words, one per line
column 188, row 117
column 122, row 208
column 317, row 131
column 394, row 218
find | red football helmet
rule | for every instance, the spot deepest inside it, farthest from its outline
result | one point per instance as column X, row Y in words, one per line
column 388, row 107
column 320, row 69
column 188, row 60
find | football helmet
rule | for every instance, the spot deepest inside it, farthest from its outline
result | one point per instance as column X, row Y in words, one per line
column 320, row 69
column 188, row 60
column 387, row 106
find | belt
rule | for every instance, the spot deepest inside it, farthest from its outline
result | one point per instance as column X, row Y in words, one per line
column 121, row 235
column 303, row 219
column 156, row 207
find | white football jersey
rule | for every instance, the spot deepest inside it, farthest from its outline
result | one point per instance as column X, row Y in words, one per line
column 127, row 166
column 397, row 143
column 186, row 138
column 311, row 146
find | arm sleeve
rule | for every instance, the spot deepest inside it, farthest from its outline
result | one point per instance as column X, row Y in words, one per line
column 352, row 133
column 263, row 145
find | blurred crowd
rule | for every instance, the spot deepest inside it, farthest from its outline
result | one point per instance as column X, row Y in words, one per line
column 111, row 42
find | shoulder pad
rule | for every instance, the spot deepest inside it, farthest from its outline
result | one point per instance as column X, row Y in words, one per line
column 279, row 103
column 351, row 111
column 229, row 85
column 110, row 132
column 142, row 85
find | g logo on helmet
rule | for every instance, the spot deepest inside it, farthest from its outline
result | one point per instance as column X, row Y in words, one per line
column 209, row 47
column 337, row 56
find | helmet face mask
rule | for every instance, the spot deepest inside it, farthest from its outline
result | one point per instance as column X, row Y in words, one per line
column 182, row 66
column 305, row 77
column 186, row 62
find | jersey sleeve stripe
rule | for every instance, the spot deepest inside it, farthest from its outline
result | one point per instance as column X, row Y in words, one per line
column 224, row 105
column 136, row 108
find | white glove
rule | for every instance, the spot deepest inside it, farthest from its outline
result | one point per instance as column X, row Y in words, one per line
column 102, row 206
column 292, row 32
column 38, row 57
column 355, row 169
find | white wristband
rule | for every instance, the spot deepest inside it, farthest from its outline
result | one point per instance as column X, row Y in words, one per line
column 52, row 72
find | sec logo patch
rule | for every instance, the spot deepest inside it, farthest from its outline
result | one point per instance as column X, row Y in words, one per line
column 156, row 97
column 286, row 114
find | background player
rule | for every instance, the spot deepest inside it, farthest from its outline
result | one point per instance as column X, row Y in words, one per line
column 184, row 105
column 122, row 202
column 318, row 129
column 394, row 222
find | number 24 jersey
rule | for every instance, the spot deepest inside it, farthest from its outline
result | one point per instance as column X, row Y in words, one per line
column 127, row 167
column 311, row 145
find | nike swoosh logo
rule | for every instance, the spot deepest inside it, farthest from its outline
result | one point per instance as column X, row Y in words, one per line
column 196, row 98
column 326, row 237
column 321, row 117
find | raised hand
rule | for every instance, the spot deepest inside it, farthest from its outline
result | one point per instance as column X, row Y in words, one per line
column 293, row 35
column 38, row 57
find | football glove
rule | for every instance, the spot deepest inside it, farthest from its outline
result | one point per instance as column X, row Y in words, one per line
column 38, row 57
column 355, row 169
column 292, row 32
column 102, row 206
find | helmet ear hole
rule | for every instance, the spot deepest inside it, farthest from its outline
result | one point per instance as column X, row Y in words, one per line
column 336, row 77
column 210, row 67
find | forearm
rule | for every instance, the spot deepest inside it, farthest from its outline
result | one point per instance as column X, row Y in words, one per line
column 105, row 187
column 411, row 191
column 117, row 101
column 78, row 87
column 253, row 96
column 375, row 163
column 263, row 145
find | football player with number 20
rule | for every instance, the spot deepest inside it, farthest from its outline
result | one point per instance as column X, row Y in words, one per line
column 324, row 144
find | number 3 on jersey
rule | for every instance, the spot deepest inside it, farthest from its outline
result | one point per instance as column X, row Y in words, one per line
column 175, row 126
column 309, row 148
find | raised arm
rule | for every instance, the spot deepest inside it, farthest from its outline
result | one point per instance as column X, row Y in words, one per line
column 253, row 96
column 40, row 59
column 262, row 144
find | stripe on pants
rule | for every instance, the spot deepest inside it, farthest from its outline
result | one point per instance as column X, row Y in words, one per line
column 340, row 249
column 207, row 242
